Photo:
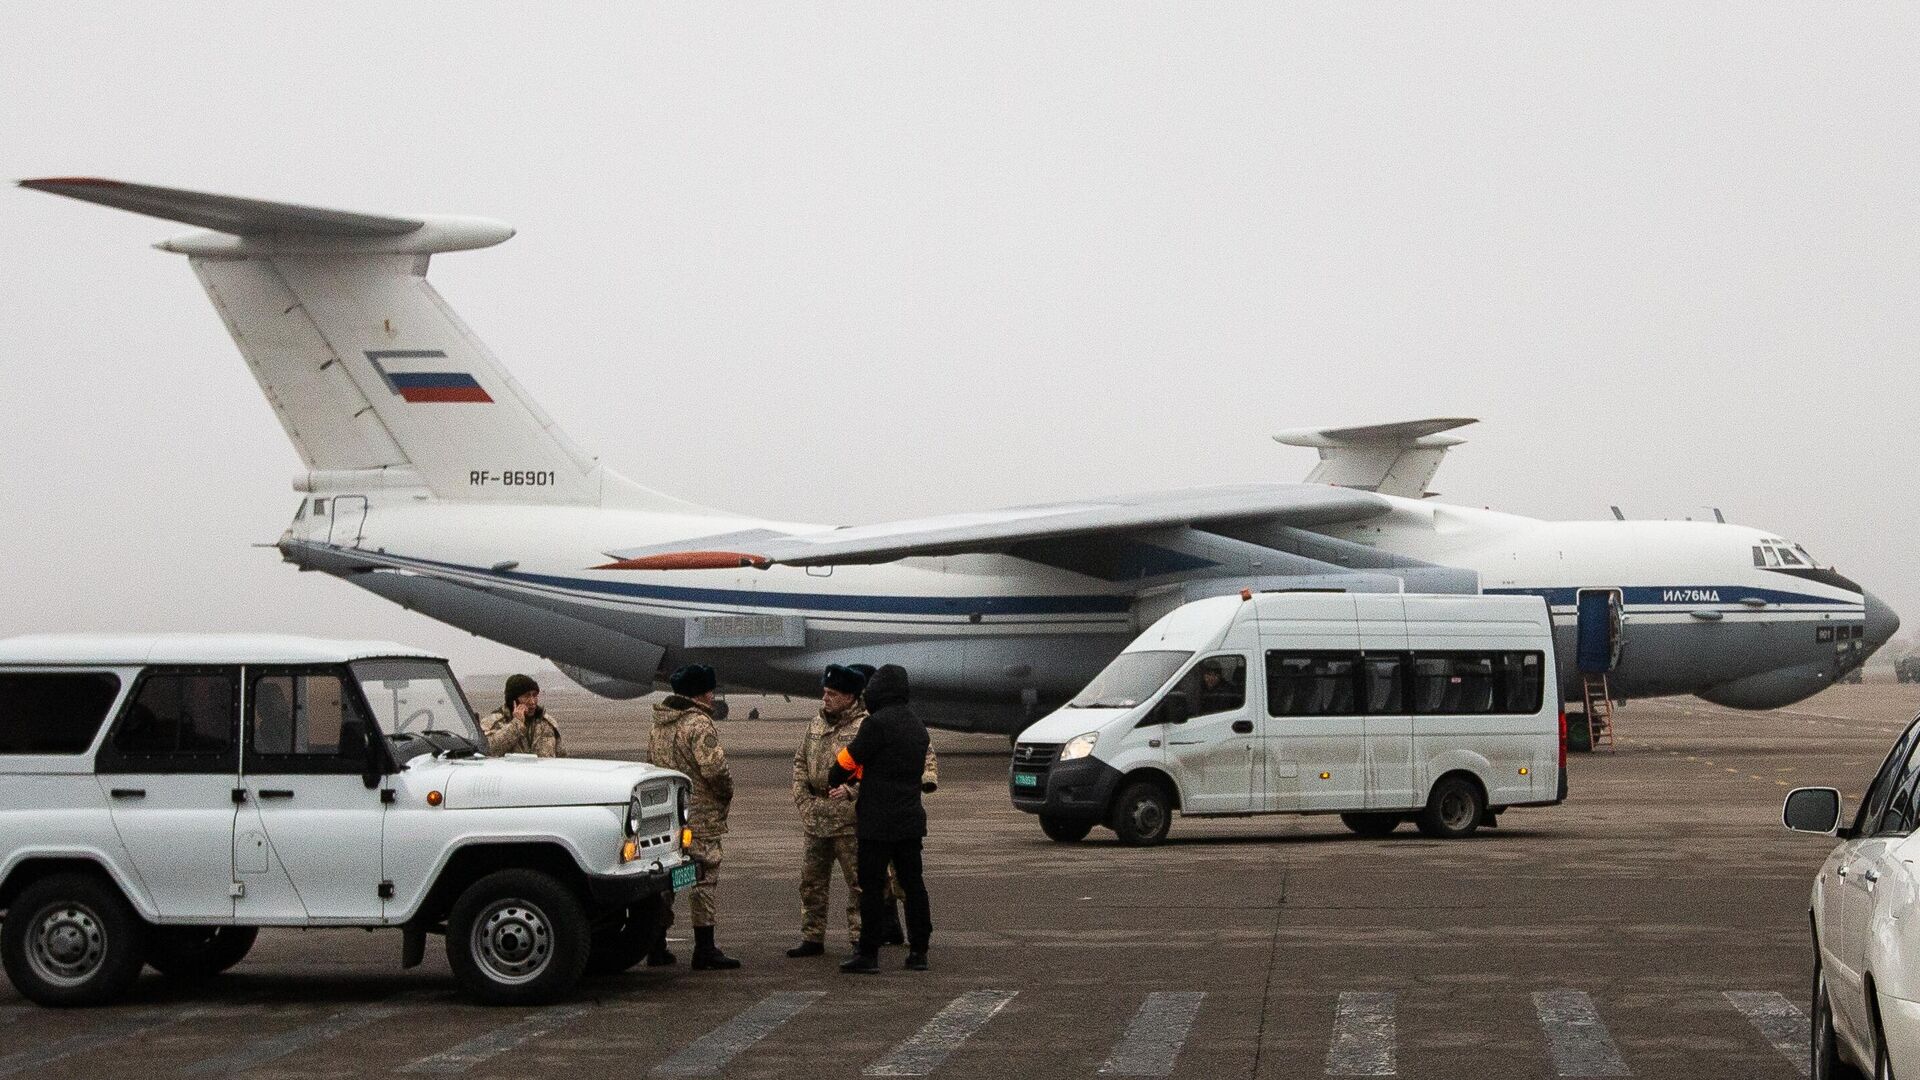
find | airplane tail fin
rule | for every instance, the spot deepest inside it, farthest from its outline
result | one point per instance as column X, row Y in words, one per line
column 377, row 381
column 1392, row 459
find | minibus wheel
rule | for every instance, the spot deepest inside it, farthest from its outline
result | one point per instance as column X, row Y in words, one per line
column 1142, row 814
column 1372, row 824
column 1065, row 830
column 1454, row 808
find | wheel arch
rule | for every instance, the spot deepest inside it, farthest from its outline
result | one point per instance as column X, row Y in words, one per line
column 1459, row 770
column 37, row 867
column 1153, row 774
column 475, row 859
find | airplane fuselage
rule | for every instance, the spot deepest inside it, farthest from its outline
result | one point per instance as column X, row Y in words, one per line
column 991, row 640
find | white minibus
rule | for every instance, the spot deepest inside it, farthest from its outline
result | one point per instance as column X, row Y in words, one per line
column 1378, row 707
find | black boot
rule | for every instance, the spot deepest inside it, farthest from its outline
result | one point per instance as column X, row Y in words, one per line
column 657, row 954
column 890, row 932
column 860, row 964
column 807, row 948
column 917, row 960
column 706, row 955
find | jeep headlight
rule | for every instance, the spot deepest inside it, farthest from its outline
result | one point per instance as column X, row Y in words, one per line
column 1079, row 746
column 633, row 815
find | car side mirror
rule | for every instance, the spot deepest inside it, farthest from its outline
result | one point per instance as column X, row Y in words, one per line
column 371, row 751
column 1174, row 709
column 1812, row 810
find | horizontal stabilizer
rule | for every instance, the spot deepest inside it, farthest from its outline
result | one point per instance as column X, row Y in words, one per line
column 225, row 213
column 1392, row 459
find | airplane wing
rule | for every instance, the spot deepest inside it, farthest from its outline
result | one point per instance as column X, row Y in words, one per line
column 1392, row 459
column 1299, row 505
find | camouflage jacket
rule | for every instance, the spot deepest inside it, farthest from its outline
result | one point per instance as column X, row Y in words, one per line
column 683, row 737
column 537, row 735
column 826, row 737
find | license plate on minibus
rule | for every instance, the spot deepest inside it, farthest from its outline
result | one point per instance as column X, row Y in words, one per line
column 684, row 874
column 1026, row 779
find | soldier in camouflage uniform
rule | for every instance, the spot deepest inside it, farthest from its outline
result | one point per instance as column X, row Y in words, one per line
column 826, row 813
column 521, row 726
column 684, row 738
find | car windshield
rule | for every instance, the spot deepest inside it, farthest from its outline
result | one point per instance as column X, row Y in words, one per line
column 1131, row 679
column 419, row 707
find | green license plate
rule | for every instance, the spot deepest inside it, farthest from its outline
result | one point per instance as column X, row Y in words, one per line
column 1026, row 779
column 684, row 874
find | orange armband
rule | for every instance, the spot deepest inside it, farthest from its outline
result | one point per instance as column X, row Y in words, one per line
column 845, row 761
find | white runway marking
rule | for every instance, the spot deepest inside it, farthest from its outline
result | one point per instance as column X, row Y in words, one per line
column 494, row 1043
column 1154, row 1038
column 928, row 1047
column 260, row 1051
column 1783, row 1024
column 1363, row 1036
column 710, row 1052
column 105, row 1034
column 1579, row 1041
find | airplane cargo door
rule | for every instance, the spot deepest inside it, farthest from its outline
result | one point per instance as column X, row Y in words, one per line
column 349, row 520
column 1599, row 621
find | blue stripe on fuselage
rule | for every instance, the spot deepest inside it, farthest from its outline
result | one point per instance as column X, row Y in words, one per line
column 1680, row 596
column 956, row 606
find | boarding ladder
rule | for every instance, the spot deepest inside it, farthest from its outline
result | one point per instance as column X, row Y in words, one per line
column 1599, row 705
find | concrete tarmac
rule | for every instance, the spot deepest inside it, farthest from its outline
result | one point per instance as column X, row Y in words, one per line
column 1655, row 926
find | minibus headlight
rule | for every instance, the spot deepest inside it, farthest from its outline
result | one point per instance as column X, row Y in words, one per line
column 1079, row 746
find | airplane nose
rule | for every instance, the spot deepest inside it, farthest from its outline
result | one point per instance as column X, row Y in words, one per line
column 1882, row 623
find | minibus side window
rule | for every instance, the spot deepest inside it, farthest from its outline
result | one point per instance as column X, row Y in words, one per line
column 1385, row 682
column 1477, row 683
column 1313, row 684
column 1217, row 684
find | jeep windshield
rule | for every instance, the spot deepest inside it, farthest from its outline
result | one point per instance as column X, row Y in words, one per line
column 419, row 707
column 1130, row 679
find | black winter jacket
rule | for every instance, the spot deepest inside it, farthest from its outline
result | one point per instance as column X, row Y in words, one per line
column 890, row 753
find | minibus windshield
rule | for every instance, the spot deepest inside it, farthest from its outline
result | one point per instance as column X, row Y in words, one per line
column 1130, row 679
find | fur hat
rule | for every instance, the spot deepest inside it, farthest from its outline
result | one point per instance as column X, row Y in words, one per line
column 866, row 670
column 693, row 680
column 519, row 685
column 844, row 679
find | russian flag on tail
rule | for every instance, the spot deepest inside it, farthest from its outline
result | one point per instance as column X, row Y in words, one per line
column 425, row 387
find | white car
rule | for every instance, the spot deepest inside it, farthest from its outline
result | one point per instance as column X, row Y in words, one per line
column 1866, row 921
column 162, row 798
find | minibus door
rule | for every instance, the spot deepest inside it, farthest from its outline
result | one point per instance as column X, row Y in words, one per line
column 1212, row 752
column 1316, row 741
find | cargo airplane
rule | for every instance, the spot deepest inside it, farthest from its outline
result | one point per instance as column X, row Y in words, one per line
column 434, row 480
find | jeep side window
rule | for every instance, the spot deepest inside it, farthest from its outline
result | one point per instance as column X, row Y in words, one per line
column 304, row 721
column 53, row 712
column 179, row 721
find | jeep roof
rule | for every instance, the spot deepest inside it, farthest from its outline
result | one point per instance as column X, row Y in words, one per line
column 52, row 650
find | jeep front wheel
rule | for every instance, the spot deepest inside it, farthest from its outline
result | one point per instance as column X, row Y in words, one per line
column 72, row 939
column 198, row 952
column 518, row 937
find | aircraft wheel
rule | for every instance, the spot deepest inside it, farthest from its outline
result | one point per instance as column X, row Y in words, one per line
column 1372, row 824
column 1065, row 830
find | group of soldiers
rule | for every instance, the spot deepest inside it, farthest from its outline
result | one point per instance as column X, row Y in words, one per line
column 858, row 777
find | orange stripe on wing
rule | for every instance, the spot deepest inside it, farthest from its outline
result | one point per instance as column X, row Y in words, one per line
column 690, row 560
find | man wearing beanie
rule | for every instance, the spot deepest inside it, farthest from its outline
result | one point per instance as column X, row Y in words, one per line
column 683, row 737
column 521, row 726
column 887, row 758
column 826, row 814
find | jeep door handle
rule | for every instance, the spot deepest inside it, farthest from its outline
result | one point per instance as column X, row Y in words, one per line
column 1842, row 872
column 1871, row 876
column 129, row 793
column 1243, row 727
column 274, row 793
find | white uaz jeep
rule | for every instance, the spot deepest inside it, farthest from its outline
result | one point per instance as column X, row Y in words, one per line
column 161, row 798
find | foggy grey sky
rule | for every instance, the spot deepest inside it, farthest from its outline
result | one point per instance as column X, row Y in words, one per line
column 844, row 263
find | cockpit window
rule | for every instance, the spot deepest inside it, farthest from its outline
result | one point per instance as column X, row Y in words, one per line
column 1777, row 552
column 1788, row 558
